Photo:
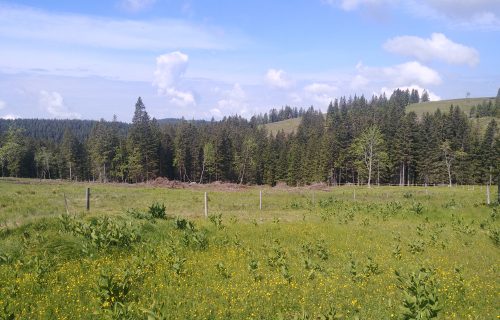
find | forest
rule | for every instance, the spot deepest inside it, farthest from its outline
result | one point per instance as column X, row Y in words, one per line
column 357, row 140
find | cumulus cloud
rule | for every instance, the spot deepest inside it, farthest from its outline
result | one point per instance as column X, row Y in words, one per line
column 389, row 91
column 180, row 98
column 359, row 82
column 2, row 104
column 234, row 100
column 53, row 103
column 321, row 93
column 349, row 5
column 137, row 5
column 278, row 79
column 472, row 11
column 402, row 74
column 170, row 68
column 438, row 47
column 9, row 117
column 215, row 112
column 474, row 14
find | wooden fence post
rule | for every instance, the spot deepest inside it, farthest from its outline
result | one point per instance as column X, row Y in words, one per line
column 487, row 194
column 260, row 200
column 206, row 205
column 87, row 196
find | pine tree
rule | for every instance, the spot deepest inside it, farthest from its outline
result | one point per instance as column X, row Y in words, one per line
column 489, row 157
column 70, row 154
column 143, row 139
column 425, row 96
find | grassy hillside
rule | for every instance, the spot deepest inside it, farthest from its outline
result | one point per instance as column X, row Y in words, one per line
column 444, row 105
column 288, row 126
column 291, row 125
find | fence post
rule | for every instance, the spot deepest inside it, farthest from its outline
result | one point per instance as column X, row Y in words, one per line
column 66, row 203
column 260, row 200
column 87, row 196
column 206, row 205
column 487, row 194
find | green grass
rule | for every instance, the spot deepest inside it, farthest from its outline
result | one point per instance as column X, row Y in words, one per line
column 444, row 105
column 288, row 126
column 305, row 253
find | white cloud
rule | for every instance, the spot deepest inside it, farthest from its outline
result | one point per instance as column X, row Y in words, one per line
column 321, row 93
column 28, row 25
column 9, row 117
column 234, row 100
column 402, row 74
column 170, row 68
column 53, row 103
column 472, row 14
column 359, row 82
column 349, row 5
column 181, row 98
column 468, row 14
column 215, row 112
column 137, row 5
column 438, row 47
column 2, row 104
column 389, row 91
column 465, row 9
column 278, row 79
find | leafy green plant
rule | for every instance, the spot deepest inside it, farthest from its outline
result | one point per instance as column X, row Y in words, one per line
column 222, row 270
column 113, row 288
column 494, row 235
column 158, row 211
column 216, row 219
column 183, row 224
column 407, row 195
column 420, row 295
column 253, row 268
column 103, row 232
column 416, row 246
column 417, row 208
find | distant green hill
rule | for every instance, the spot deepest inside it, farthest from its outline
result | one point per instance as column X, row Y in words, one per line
column 444, row 105
column 291, row 125
column 288, row 126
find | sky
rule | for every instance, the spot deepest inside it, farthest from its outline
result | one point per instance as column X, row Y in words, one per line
column 200, row 59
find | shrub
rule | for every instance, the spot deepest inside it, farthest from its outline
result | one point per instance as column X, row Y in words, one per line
column 420, row 295
column 158, row 211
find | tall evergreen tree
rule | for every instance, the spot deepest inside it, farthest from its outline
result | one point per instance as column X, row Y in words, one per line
column 143, row 141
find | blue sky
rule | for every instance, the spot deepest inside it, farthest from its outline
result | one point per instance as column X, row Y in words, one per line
column 202, row 59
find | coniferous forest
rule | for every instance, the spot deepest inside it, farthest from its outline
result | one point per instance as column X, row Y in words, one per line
column 358, row 140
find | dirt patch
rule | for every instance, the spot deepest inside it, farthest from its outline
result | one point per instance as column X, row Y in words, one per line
column 318, row 186
column 175, row 184
column 165, row 183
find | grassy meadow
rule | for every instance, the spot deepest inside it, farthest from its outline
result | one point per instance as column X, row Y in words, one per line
column 465, row 105
column 146, row 252
column 288, row 126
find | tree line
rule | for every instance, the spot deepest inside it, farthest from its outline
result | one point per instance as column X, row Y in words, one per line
column 357, row 141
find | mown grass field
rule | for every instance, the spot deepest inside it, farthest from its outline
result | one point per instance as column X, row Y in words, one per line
column 308, row 254
column 288, row 126
column 465, row 105
column 291, row 125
